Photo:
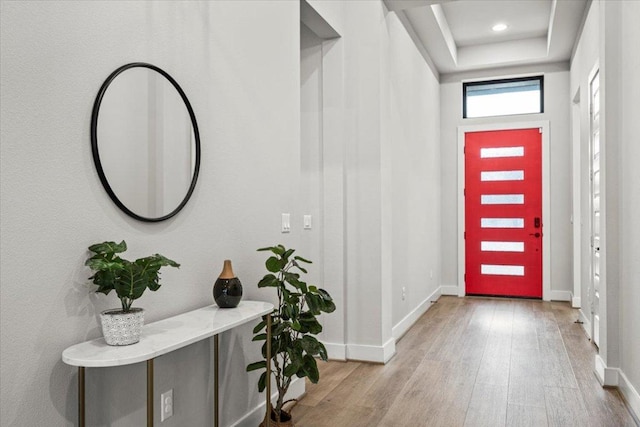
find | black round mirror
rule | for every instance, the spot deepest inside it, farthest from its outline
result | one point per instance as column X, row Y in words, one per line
column 145, row 142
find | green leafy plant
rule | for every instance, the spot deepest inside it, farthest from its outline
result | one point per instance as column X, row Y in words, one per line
column 128, row 279
column 294, row 322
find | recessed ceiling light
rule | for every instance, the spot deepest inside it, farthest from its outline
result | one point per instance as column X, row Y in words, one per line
column 499, row 27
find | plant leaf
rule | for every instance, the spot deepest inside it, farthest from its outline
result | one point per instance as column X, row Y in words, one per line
column 268, row 281
column 257, row 365
column 262, row 382
column 273, row 264
column 259, row 326
column 313, row 303
column 108, row 248
column 260, row 337
column 309, row 323
column 291, row 370
column 311, row 368
column 287, row 254
column 322, row 352
column 328, row 307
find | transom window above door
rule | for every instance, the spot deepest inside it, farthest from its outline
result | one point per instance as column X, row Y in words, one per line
column 503, row 97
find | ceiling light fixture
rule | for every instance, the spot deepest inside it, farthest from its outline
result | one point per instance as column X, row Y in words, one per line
column 499, row 27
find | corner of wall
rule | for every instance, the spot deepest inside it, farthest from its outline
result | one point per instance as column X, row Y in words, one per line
column 559, row 296
column 372, row 353
column 614, row 377
column 608, row 377
column 336, row 351
column 410, row 319
column 451, row 290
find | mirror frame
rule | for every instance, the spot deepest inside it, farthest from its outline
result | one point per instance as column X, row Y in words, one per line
column 94, row 141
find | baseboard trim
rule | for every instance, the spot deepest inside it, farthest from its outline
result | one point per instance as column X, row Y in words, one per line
column 608, row 377
column 336, row 351
column 586, row 323
column 389, row 350
column 559, row 296
column 449, row 290
column 372, row 353
column 256, row 415
column 630, row 394
column 614, row 377
column 576, row 302
column 405, row 324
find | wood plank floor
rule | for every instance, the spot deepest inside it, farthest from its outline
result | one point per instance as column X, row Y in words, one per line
column 472, row 362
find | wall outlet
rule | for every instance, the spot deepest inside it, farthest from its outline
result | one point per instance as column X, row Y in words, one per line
column 404, row 293
column 166, row 405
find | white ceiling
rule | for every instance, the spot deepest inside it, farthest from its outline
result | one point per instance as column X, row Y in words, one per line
column 457, row 34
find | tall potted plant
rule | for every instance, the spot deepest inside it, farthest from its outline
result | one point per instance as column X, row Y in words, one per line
column 129, row 280
column 294, row 324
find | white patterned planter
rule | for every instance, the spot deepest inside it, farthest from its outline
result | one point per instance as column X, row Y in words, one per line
column 121, row 328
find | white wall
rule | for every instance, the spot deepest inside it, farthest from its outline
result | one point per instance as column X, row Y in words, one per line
column 391, row 180
column 414, row 155
column 609, row 40
column 557, row 112
column 390, row 173
column 311, row 165
column 240, row 65
column 238, row 62
column 584, row 60
column 366, row 308
column 319, row 243
column 323, row 153
column 629, row 80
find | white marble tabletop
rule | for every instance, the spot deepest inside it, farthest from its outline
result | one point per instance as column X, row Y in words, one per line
column 166, row 335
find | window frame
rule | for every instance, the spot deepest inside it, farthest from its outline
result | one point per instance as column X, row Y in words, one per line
column 465, row 85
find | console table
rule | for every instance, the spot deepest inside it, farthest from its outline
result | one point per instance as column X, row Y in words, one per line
column 163, row 337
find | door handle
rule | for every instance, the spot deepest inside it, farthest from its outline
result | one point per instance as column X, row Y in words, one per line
column 536, row 235
column 536, row 222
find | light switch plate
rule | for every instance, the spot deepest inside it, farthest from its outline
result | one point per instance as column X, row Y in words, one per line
column 286, row 222
column 307, row 222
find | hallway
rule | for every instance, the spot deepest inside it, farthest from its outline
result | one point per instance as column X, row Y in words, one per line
column 472, row 362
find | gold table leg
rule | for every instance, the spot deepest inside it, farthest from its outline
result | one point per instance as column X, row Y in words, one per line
column 216, row 408
column 150, row 393
column 267, row 416
column 81, row 419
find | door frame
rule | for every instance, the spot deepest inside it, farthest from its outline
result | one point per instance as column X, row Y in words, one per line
column 576, row 198
column 593, row 316
column 546, row 197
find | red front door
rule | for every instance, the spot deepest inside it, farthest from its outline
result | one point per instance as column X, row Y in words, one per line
column 503, row 213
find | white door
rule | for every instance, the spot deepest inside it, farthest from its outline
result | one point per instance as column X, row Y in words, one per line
column 594, row 118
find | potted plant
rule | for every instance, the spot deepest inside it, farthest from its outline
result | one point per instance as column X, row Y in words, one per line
column 129, row 280
column 294, row 324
